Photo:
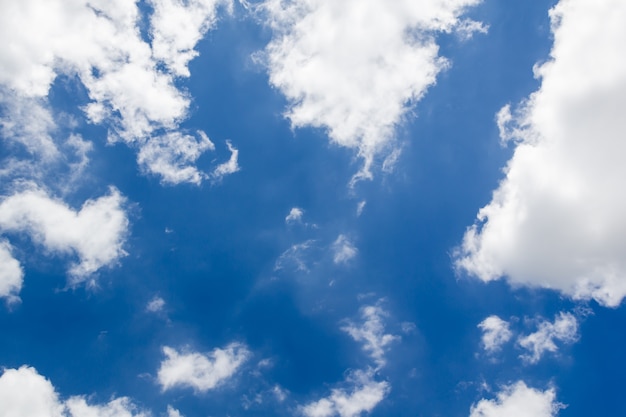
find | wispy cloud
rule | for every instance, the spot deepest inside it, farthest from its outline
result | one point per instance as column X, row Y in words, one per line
column 563, row 329
column 496, row 332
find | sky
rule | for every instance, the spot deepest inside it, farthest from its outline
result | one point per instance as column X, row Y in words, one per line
column 312, row 208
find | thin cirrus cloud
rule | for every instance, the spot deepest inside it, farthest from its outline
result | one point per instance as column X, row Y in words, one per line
column 557, row 218
column 131, row 83
column 95, row 233
column 200, row 371
column 26, row 393
column 354, row 68
column 519, row 400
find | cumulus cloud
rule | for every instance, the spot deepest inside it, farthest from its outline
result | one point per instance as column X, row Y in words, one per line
column 199, row 371
column 11, row 274
column 294, row 216
column 564, row 329
column 356, row 67
column 371, row 332
column 496, row 332
column 343, row 250
column 25, row 393
column 362, row 395
column 95, row 233
column 557, row 218
column 131, row 83
column 518, row 400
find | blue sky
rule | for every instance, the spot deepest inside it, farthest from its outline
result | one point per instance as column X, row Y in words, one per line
column 312, row 208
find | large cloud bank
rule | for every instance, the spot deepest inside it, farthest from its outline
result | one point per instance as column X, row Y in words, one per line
column 557, row 218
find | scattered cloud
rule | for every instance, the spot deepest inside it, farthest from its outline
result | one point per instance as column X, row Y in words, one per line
column 496, row 332
column 343, row 250
column 294, row 216
column 202, row 372
column 520, row 401
column 355, row 68
column 557, row 218
column 362, row 395
column 11, row 274
column 564, row 329
column 131, row 83
column 371, row 332
column 155, row 305
column 25, row 393
column 95, row 233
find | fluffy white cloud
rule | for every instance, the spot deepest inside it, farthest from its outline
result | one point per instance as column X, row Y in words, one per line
column 343, row 250
column 177, row 26
column 95, row 233
column 11, row 273
column 372, row 333
column 131, row 83
column 557, row 218
column 518, row 400
column 496, row 332
column 362, row 396
column 564, row 329
column 25, row 393
column 355, row 67
column 294, row 216
column 202, row 372
column 172, row 412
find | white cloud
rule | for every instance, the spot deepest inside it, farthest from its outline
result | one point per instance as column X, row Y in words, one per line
column 564, row 329
column 355, row 67
column 343, row 250
column 294, row 257
column 372, row 333
column 202, row 372
column 172, row 412
column 25, row 393
column 131, row 83
column 362, row 396
column 294, row 216
column 518, row 400
column 360, row 207
column 11, row 274
column 557, row 219
column 95, row 233
column 171, row 156
column 155, row 305
column 496, row 332
column 229, row 167
column 177, row 26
